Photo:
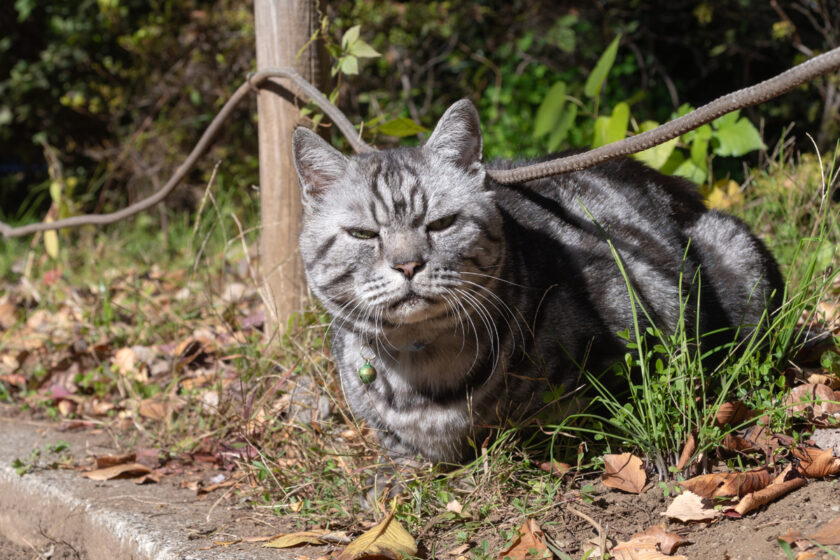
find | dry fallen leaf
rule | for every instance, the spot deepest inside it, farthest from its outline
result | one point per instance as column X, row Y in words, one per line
column 128, row 470
column 125, row 360
column 829, row 379
column 152, row 477
column 687, row 452
column 203, row 490
column 556, row 467
column 8, row 316
column 737, row 444
column 732, row 413
column 105, row 461
column 624, row 472
column 654, row 543
column 688, row 506
column 815, row 398
column 815, row 462
column 529, row 544
column 160, row 406
column 388, row 539
column 289, row 540
column 757, row 499
column 454, row 506
column 728, row 485
column 828, row 534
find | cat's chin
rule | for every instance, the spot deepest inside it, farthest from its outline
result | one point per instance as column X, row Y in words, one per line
column 414, row 309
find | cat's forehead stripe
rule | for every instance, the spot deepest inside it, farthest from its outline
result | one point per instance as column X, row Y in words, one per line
column 396, row 188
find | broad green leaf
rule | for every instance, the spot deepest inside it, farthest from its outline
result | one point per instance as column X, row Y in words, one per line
column 612, row 128
column 737, row 139
column 401, row 127
column 550, row 110
column 704, row 133
column 657, row 156
column 698, row 152
column 672, row 163
column 617, row 127
column 350, row 36
column 690, row 171
column 727, row 119
column 563, row 127
column 360, row 49
column 349, row 65
column 599, row 131
column 602, row 68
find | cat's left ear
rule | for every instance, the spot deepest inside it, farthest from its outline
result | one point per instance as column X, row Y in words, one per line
column 457, row 136
column 318, row 164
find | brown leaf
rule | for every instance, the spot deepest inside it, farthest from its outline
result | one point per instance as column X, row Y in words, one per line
column 688, row 506
column 828, row 534
column 159, row 407
column 387, row 539
column 556, row 467
column 152, row 477
column 829, row 379
column 624, row 472
column 454, row 506
column 106, row 461
column 776, row 490
column 125, row 360
column 728, row 485
column 737, row 444
column 816, row 400
column 732, row 413
column 202, row 490
column 816, row 462
column 290, row 540
column 687, row 452
column 529, row 544
column 653, row 544
column 128, row 470
column 8, row 316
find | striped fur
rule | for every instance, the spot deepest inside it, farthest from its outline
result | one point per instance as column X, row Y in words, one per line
column 471, row 319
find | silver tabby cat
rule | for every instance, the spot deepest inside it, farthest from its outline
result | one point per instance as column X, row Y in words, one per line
column 471, row 298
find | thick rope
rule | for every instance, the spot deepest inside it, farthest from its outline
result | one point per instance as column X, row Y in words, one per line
column 747, row 97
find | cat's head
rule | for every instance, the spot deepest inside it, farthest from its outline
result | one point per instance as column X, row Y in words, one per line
column 394, row 237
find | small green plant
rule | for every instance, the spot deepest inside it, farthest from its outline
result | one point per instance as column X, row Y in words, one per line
column 687, row 156
column 58, row 452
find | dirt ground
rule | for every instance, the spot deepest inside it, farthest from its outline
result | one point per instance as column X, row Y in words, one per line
column 224, row 518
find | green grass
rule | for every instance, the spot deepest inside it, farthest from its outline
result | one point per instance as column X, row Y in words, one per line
column 317, row 471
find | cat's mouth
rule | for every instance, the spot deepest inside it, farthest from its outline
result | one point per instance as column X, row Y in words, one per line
column 411, row 299
column 413, row 308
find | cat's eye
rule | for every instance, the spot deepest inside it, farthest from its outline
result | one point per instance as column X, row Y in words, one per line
column 362, row 233
column 441, row 223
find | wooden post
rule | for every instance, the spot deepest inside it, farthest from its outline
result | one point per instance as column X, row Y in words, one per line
column 282, row 27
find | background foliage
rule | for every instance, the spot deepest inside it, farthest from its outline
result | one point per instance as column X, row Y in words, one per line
column 120, row 89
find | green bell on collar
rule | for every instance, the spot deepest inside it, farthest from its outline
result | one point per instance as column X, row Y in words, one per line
column 367, row 373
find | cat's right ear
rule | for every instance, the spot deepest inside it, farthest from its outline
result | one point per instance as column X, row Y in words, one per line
column 317, row 163
column 457, row 136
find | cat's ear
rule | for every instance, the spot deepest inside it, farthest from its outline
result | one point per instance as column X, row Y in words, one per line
column 457, row 136
column 318, row 164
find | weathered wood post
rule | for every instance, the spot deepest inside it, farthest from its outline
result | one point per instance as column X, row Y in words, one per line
column 282, row 27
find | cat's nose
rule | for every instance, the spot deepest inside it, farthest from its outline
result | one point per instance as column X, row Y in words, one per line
column 409, row 268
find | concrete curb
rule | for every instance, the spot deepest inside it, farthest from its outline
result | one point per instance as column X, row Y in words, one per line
column 117, row 519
